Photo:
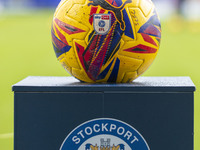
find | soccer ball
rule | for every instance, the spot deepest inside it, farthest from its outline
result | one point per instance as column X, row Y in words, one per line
column 106, row 40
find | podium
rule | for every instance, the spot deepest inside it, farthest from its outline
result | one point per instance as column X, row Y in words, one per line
column 48, row 109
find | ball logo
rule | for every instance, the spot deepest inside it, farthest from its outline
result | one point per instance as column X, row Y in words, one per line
column 102, row 23
column 104, row 134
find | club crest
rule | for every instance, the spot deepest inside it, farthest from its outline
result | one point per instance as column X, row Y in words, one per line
column 102, row 23
column 104, row 134
column 104, row 145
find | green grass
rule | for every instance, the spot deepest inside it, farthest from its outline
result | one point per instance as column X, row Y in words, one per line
column 26, row 50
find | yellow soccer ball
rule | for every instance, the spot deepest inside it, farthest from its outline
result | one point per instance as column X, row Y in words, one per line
column 106, row 40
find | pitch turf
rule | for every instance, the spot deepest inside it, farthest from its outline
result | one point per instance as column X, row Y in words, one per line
column 26, row 50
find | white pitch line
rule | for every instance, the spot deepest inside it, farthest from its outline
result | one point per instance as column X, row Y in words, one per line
column 6, row 136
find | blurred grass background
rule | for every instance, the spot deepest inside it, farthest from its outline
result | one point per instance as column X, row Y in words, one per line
column 26, row 50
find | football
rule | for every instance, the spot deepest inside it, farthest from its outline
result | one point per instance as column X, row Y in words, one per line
column 106, row 40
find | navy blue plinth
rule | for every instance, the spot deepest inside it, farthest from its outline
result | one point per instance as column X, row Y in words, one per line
column 47, row 109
